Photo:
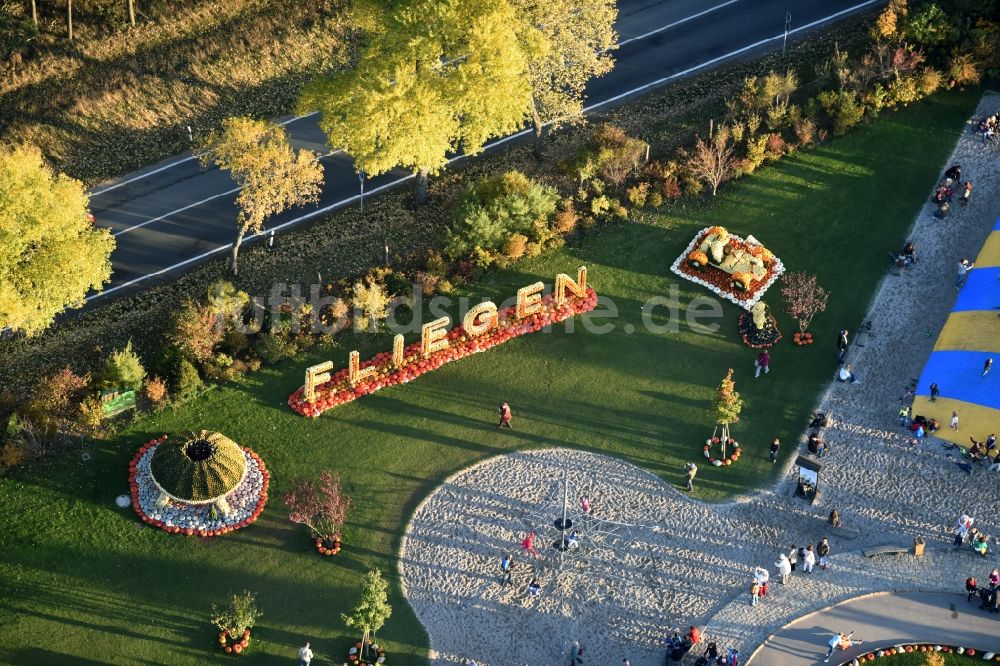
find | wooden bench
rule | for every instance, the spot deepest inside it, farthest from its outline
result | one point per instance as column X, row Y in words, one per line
column 886, row 550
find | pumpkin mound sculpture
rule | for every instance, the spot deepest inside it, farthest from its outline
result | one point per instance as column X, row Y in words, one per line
column 198, row 483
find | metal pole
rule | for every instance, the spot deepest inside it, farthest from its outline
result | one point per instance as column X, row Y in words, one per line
column 361, row 180
column 788, row 25
column 563, row 545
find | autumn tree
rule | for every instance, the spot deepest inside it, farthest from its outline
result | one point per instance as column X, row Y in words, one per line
column 322, row 507
column 714, row 161
column 272, row 176
column 804, row 298
column 726, row 408
column 434, row 78
column 372, row 609
column 51, row 254
column 577, row 37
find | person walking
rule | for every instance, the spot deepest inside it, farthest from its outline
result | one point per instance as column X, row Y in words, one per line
column 507, row 570
column 994, row 578
column 505, row 416
column 991, row 443
column 954, row 421
column 842, row 345
column 775, row 445
column 691, row 471
column 963, row 272
column 967, row 192
column 809, row 561
column 762, row 363
column 784, row 567
column 528, row 545
column 904, row 415
column 793, row 556
column 754, row 592
column 585, row 504
column 987, row 365
column 305, row 655
column 935, row 392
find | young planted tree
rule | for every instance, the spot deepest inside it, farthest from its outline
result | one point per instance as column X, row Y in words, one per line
column 322, row 507
column 726, row 408
column 273, row 176
column 804, row 298
column 372, row 609
column 714, row 161
column 577, row 37
column 51, row 254
column 435, row 78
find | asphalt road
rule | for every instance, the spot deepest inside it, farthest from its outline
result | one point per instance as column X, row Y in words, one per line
column 881, row 621
column 175, row 214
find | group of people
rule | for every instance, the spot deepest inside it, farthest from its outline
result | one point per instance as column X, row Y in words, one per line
column 989, row 126
column 989, row 595
column 808, row 556
column 968, row 534
column 946, row 188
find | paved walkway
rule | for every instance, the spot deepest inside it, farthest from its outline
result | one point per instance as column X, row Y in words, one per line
column 882, row 620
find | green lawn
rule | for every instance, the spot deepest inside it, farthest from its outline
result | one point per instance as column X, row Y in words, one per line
column 81, row 582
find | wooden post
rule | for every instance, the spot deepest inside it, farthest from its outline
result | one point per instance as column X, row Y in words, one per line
column 34, row 14
column 69, row 18
column 131, row 12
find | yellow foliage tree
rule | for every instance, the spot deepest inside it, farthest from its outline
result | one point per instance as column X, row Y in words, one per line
column 273, row 177
column 434, row 78
column 577, row 37
column 51, row 254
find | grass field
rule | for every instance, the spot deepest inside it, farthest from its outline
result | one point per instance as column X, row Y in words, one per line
column 81, row 582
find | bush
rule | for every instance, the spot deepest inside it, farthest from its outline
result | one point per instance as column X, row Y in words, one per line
column 843, row 109
column 273, row 347
column 196, row 332
column 371, row 302
column 775, row 146
column 930, row 81
column 90, row 417
column 756, row 154
column 655, row 199
column 610, row 154
column 123, row 369
column 638, row 194
column 904, row 90
column 156, row 392
column 186, row 380
column 55, row 400
column 515, row 247
column 496, row 208
column 240, row 615
column 566, row 219
column 235, row 342
column 963, row 70
column 805, row 131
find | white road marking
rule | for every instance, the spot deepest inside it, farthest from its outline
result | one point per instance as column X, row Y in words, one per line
column 102, row 190
column 498, row 142
column 675, row 23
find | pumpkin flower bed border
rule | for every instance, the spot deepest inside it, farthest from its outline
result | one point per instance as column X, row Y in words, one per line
column 720, row 282
column 134, row 488
column 909, row 648
column 338, row 390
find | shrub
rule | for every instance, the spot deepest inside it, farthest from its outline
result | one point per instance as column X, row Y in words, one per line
column 756, row 154
column 90, row 416
column 54, row 402
column 929, row 24
column 600, row 206
column 930, row 81
column 611, row 154
column 240, row 615
column 842, row 108
column 805, row 131
column 494, row 209
column 186, row 382
column 904, row 90
column 195, row 332
column 226, row 301
column 123, row 369
column 156, row 392
column 11, row 455
column 371, row 302
column 638, row 194
column 565, row 220
column 515, row 246
column 655, row 199
column 775, row 146
column 273, row 347
column 436, row 263
column 235, row 342
column 963, row 70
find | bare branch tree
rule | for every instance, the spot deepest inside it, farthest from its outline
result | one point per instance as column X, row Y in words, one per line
column 804, row 298
column 714, row 161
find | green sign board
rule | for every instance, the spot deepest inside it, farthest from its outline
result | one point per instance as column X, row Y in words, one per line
column 117, row 401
